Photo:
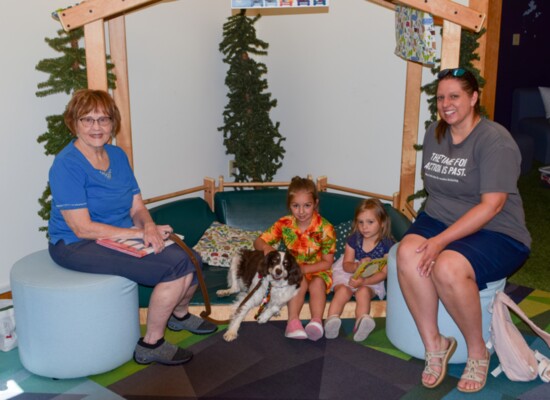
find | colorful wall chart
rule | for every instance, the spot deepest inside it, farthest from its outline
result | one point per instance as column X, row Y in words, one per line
column 415, row 35
column 277, row 3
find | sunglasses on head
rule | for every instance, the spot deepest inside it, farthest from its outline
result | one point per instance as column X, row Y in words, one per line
column 456, row 72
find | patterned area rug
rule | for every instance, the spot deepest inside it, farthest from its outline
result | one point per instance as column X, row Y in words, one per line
column 263, row 364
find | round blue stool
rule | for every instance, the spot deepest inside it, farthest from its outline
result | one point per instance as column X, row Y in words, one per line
column 401, row 328
column 72, row 324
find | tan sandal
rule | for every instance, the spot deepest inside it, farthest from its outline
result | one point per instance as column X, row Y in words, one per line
column 444, row 356
column 476, row 371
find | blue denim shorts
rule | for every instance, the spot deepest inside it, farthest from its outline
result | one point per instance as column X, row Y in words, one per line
column 493, row 255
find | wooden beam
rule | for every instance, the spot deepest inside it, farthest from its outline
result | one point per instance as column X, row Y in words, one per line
column 223, row 312
column 410, row 134
column 96, row 60
column 93, row 10
column 384, row 3
column 121, row 95
column 451, row 11
column 450, row 45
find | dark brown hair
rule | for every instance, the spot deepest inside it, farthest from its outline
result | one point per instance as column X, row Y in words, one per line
column 469, row 84
column 85, row 101
column 298, row 184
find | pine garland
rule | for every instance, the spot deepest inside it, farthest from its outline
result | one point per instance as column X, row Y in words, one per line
column 67, row 74
column 249, row 134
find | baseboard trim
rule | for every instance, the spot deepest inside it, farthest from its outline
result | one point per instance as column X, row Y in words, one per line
column 223, row 312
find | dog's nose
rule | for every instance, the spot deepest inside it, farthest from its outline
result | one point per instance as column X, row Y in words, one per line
column 278, row 271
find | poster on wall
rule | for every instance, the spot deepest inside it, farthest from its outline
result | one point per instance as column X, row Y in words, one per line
column 277, row 3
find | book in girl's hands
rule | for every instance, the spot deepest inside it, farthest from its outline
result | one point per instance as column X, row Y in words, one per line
column 369, row 268
column 133, row 247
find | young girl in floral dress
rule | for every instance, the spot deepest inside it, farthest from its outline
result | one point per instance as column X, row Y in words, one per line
column 311, row 240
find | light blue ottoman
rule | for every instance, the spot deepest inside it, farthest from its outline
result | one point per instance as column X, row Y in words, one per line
column 72, row 324
column 400, row 326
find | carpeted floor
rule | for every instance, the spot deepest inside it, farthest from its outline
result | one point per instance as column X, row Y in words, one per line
column 263, row 364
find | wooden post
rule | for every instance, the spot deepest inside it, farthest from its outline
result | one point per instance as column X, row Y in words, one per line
column 96, row 60
column 121, row 95
column 410, row 134
column 488, row 51
column 209, row 191
column 322, row 183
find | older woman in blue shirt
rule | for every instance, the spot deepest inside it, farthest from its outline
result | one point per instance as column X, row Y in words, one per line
column 95, row 195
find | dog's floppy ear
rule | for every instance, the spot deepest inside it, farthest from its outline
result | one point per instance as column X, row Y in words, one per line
column 294, row 270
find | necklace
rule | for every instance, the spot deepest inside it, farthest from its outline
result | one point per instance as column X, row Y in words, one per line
column 107, row 173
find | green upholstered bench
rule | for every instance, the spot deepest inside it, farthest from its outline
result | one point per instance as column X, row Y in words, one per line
column 249, row 210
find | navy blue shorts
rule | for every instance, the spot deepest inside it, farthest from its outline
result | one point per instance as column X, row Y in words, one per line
column 87, row 256
column 493, row 255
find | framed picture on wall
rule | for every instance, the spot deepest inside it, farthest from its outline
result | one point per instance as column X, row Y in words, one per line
column 239, row 4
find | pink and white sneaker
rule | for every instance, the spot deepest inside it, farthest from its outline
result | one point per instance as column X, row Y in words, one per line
column 295, row 330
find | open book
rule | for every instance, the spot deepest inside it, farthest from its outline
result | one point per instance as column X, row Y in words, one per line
column 369, row 268
column 133, row 247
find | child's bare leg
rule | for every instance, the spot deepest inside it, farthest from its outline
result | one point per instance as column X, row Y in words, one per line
column 364, row 324
column 296, row 303
column 342, row 294
column 317, row 298
column 363, row 296
column 294, row 328
column 317, row 301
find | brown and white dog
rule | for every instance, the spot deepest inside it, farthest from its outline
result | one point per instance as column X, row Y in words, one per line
column 274, row 279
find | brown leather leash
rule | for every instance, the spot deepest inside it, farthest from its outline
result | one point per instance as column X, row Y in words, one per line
column 208, row 310
column 249, row 295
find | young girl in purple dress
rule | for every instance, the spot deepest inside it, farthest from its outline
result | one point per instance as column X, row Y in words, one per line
column 370, row 239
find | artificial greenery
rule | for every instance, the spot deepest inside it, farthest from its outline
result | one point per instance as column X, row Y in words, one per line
column 249, row 134
column 469, row 43
column 67, row 74
column 536, row 197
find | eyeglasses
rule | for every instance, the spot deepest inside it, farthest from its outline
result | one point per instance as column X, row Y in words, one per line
column 456, row 72
column 88, row 122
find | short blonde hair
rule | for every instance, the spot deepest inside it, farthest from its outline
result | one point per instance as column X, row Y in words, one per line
column 85, row 101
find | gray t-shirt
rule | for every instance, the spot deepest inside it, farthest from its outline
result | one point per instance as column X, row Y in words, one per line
column 455, row 177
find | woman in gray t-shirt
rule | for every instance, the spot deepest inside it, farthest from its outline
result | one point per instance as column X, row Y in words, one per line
column 471, row 232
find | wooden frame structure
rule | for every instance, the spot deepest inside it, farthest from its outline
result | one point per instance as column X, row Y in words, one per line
column 93, row 14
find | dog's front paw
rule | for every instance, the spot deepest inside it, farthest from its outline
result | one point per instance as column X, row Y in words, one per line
column 223, row 292
column 263, row 318
column 229, row 336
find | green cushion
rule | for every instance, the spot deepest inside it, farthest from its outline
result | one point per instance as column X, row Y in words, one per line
column 251, row 210
column 189, row 217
